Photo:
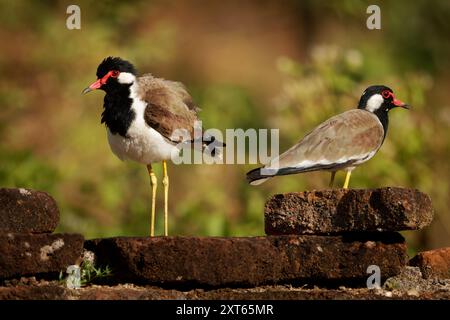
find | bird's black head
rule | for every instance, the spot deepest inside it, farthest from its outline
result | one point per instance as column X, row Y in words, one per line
column 114, row 64
column 113, row 73
column 378, row 99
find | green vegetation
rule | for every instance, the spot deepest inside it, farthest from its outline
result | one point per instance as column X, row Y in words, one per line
column 285, row 65
column 89, row 274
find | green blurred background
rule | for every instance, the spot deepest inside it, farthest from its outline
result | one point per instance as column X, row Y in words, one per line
column 252, row 64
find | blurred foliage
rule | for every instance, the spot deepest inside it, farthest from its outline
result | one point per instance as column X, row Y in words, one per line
column 258, row 64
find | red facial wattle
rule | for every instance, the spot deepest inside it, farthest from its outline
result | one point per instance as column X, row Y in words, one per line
column 100, row 82
column 398, row 103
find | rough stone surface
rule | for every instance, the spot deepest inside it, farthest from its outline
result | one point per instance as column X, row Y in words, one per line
column 339, row 210
column 433, row 263
column 27, row 211
column 55, row 291
column 218, row 262
column 31, row 254
column 411, row 281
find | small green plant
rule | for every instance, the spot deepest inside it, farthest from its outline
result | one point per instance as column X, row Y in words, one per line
column 391, row 285
column 88, row 273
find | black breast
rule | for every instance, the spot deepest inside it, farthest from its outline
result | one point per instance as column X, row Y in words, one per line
column 117, row 113
column 382, row 115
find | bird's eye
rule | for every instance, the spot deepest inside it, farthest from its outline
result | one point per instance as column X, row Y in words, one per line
column 386, row 94
column 115, row 73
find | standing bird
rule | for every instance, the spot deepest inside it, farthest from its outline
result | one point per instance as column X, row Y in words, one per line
column 143, row 116
column 340, row 143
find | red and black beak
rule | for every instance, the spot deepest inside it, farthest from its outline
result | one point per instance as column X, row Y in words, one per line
column 398, row 103
column 101, row 81
column 96, row 85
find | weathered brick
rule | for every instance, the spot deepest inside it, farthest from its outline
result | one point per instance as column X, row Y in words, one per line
column 250, row 261
column 27, row 211
column 32, row 254
column 339, row 210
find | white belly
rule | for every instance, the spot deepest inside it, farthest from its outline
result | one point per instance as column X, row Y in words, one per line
column 143, row 144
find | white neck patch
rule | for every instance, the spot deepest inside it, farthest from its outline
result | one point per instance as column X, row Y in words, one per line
column 374, row 102
column 126, row 78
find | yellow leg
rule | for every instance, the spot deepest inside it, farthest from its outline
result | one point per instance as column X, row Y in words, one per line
column 333, row 174
column 166, row 198
column 153, row 184
column 347, row 179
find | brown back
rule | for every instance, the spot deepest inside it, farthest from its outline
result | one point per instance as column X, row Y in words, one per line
column 169, row 106
column 349, row 135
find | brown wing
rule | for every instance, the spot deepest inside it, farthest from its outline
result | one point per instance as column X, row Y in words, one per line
column 346, row 138
column 169, row 107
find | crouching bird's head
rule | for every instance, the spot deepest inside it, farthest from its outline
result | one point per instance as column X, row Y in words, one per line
column 380, row 99
column 113, row 74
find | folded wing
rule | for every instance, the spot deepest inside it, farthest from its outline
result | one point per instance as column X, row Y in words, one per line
column 169, row 107
column 342, row 141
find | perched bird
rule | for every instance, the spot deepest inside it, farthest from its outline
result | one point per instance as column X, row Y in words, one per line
column 142, row 115
column 340, row 143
